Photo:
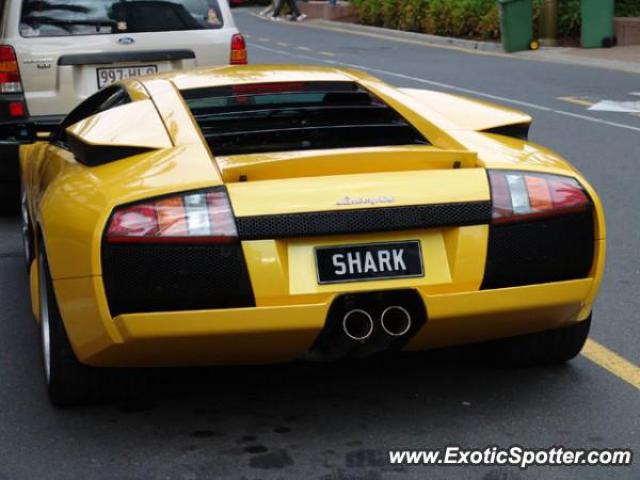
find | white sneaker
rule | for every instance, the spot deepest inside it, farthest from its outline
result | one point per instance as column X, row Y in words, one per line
column 275, row 19
column 301, row 17
column 266, row 11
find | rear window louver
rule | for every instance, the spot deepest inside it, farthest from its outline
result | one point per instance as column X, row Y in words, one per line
column 259, row 118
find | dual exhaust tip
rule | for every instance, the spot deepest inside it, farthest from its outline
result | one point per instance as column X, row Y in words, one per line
column 358, row 324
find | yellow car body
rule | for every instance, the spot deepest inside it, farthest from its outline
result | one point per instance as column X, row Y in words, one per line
column 70, row 204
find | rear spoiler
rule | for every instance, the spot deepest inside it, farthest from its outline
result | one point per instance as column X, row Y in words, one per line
column 476, row 115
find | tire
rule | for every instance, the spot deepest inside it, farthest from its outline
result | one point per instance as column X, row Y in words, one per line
column 26, row 231
column 68, row 381
column 550, row 347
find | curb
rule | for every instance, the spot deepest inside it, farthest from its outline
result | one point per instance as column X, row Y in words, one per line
column 425, row 38
column 490, row 48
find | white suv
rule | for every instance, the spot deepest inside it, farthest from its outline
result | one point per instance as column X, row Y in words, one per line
column 55, row 53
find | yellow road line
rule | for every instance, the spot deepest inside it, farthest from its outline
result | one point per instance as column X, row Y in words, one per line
column 304, row 49
column 611, row 361
column 282, row 44
column 577, row 101
column 263, row 39
column 327, row 54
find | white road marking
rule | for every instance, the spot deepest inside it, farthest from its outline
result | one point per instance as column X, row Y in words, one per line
column 615, row 106
column 455, row 88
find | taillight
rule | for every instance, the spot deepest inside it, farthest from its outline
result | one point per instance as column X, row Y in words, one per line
column 238, row 50
column 9, row 73
column 526, row 195
column 199, row 217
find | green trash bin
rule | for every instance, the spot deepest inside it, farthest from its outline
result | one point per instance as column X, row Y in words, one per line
column 597, row 23
column 516, row 24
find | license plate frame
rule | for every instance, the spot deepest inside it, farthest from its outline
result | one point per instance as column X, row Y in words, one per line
column 323, row 253
column 151, row 69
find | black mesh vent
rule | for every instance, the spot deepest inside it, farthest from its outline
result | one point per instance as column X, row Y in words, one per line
column 154, row 278
column 548, row 250
column 363, row 221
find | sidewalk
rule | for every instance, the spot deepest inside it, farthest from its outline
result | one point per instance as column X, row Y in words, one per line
column 626, row 58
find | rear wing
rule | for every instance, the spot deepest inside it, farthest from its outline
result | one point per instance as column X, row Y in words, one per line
column 476, row 115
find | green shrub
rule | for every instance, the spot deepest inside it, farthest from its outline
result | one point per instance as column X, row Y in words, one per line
column 468, row 18
column 627, row 8
column 489, row 26
column 411, row 14
column 569, row 19
column 369, row 11
column 390, row 13
column 461, row 18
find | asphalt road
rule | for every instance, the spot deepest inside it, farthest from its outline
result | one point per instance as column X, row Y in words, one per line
column 337, row 422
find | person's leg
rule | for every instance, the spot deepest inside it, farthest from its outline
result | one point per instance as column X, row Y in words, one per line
column 278, row 8
column 294, row 8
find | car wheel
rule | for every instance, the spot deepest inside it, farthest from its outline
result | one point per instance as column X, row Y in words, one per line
column 68, row 381
column 26, row 231
column 544, row 348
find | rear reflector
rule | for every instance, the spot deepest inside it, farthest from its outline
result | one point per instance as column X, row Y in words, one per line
column 238, row 50
column 16, row 109
column 9, row 72
column 525, row 195
column 199, row 217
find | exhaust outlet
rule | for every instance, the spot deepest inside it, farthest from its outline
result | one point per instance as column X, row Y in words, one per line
column 395, row 321
column 357, row 325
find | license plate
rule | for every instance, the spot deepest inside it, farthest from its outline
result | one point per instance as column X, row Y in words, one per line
column 371, row 261
column 107, row 75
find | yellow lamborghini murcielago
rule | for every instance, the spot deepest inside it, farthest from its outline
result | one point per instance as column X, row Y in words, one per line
column 257, row 214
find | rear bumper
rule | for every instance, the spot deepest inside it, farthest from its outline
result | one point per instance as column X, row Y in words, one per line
column 282, row 333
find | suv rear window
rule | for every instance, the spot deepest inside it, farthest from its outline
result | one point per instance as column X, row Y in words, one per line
column 46, row 18
column 272, row 117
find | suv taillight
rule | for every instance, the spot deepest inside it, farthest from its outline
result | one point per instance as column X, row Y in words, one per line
column 197, row 217
column 238, row 50
column 527, row 195
column 9, row 73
